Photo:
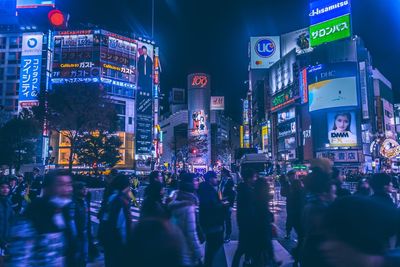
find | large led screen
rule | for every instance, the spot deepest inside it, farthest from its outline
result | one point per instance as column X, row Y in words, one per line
column 332, row 86
column 342, row 129
column 34, row 3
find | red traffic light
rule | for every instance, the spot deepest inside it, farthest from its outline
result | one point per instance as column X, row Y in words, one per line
column 56, row 18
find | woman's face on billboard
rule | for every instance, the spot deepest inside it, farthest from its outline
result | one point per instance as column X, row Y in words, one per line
column 341, row 122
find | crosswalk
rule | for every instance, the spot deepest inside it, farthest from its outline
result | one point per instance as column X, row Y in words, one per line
column 95, row 207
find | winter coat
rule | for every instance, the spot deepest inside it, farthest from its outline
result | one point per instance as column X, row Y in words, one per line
column 153, row 209
column 183, row 215
column 211, row 209
column 6, row 216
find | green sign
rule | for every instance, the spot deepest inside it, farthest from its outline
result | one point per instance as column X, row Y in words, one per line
column 331, row 30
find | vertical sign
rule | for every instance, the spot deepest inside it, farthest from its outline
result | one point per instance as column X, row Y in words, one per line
column 31, row 62
column 364, row 95
column 241, row 136
column 303, row 86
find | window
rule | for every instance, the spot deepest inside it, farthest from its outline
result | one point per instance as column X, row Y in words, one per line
column 11, row 89
column 3, row 42
column 2, row 58
column 1, row 73
column 14, row 58
column 15, row 42
column 130, row 120
column 9, row 103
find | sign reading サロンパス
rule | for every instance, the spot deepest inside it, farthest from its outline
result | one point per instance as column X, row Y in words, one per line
column 31, row 62
column 332, row 30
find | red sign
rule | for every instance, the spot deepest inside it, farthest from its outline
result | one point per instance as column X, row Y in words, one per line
column 200, row 81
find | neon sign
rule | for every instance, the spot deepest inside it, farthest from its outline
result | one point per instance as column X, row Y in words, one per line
column 200, row 81
column 390, row 148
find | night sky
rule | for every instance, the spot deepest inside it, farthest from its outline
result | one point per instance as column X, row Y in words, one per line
column 212, row 35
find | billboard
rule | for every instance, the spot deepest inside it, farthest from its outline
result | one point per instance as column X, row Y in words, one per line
column 217, row 103
column 264, row 135
column 303, row 86
column 34, row 3
column 331, row 30
column 324, row 10
column 145, row 60
column 281, row 73
column 31, row 63
column 199, row 123
column 332, row 86
column 342, row 129
column 298, row 40
column 284, row 98
column 144, row 122
column 264, row 51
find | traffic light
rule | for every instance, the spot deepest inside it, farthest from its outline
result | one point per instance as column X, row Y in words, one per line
column 58, row 19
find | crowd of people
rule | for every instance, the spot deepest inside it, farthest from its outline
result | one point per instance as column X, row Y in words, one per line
column 46, row 220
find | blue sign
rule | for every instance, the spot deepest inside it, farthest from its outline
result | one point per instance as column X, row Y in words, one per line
column 324, row 10
column 29, row 84
column 265, row 47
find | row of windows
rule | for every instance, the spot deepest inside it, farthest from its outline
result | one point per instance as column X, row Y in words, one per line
column 13, row 58
column 13, row 42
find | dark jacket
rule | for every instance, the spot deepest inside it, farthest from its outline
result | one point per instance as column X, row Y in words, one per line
column 295, row 205
column 245, row 215
column 6, row 216
column 145, row 79
column 152, row 208
column 211, row 209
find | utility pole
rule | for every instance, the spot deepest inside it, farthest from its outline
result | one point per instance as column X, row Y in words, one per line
column 152, row 19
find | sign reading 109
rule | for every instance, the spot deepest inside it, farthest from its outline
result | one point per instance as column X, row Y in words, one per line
column 265, row 47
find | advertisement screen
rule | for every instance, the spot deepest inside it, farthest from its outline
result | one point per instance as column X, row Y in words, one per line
column 144, row 123
column 298, row 40
column 281, row 73
column 342, row 129
column 145, row 59
column 264, row 134
column 199, row 123
column 34, row 3
column 286, row 115
column 264, row 51
column 331, row 30
column 332, row 86
column 324, row 10
column 31, row 63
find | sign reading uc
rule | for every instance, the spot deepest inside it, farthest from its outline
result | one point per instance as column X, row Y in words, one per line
column 265, row 47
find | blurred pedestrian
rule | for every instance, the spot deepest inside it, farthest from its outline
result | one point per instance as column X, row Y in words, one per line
column 36, row 184
column 108, row 191
column 338, row 179
column 6, row 216
column 262, row 249
column 226, row 189
column 245, row 215
column 286, row 186
column 81, row 228
column 381, row 184
column 363, row 188
column 116, row 223
column 211, row 216
column 321, row 193
column 153, row 206
column 183, row 215
column 155, row 243
column 48, row 215
column 359, row 233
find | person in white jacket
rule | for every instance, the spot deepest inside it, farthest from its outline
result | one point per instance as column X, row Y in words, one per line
column 183, row 215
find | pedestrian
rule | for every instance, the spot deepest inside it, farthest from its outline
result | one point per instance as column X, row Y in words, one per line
column 321, row 192
column 48, row 216
column 153, row 206
column 6, row 216
column 108, row 191
column 155, row 243
column 363, row 188
column 286, row 186
column 245, row 215
column 382, row 187
column 116, row 223
column 36, row 184
column 359, row 231
column 183, row 215
column 226, row 189
column 211, row 216
column 81, row 232
column 338, row 179
column 262, row 252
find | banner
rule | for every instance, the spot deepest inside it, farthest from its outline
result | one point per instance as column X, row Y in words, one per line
column 30, row 73
column 324, row 10
column 264, row 51
column 298, row 40
column 331, row 30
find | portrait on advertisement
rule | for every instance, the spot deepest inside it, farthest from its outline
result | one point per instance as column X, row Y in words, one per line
column 145, row 67
column 342, row 130
column 199, row 121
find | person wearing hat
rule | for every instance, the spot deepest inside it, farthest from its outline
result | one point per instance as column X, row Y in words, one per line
column 183, row 215
column 115, row 225
column 211, row 216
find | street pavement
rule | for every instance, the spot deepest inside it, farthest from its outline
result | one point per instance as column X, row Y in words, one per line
column 225, row 256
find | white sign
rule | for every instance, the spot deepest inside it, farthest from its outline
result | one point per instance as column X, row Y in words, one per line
column 32, row 44
column 281, row 74
column 265, row 51
column 299, row 40
column 217, row 103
